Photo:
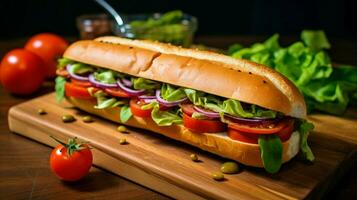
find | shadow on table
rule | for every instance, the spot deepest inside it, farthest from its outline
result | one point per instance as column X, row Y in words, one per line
column 96, row 180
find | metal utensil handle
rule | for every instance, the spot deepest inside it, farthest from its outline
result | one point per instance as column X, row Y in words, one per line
column 114, row 13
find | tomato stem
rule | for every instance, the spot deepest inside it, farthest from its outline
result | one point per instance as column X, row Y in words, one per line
column 72, row 145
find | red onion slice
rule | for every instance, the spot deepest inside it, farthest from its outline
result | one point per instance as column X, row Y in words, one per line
column 148, row 100
column 146, row 97
column 252, row 121
column 168, row 103
column 75, row 76
column 205, row 112
column 127, row 82
column 98, row 84
column 129, row 90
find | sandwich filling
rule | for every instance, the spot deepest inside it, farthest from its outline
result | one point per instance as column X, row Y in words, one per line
column 169, row 105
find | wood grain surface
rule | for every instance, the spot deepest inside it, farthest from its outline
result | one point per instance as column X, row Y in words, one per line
column 25, row 172
column 168, row 163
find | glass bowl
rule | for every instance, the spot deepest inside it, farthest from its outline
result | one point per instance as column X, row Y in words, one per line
column 94, row 25
column 180, row 33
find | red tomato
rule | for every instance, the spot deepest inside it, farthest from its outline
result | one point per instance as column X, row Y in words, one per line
column 49, row 47
column 284, row 134
column 188, row 109
column 135, row 108
column 81, row 83
column 242, row 137
column 71, row 167
column 269, row 129
column 73, row 90
column 117, row 93
column 203, row 125
column 21, row 72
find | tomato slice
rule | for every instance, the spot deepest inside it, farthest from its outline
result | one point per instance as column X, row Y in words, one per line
column 200, row 125
column 117, row 92
column 135, row 108
column 267, row 129
column 242, row 137
column 73, row 90
column 81, row 83
column 283, row 134
column 188, row 109
column 203, row 125
column 286, row 132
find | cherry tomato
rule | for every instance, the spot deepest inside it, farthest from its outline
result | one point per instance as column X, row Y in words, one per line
column 203, row 125
column 71, row 166
column 267, row 129
column 21, row 72
column 73, row 90
column 81, row 83
column 49, row 47
column 135, row 108
column 117, row 93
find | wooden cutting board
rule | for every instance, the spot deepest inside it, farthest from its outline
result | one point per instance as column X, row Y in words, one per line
column 165, row 165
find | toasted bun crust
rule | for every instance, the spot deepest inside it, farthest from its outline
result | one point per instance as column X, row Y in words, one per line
column 217, row 143
column 201, row 70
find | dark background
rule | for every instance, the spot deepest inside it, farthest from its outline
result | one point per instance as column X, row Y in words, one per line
column 239, row 17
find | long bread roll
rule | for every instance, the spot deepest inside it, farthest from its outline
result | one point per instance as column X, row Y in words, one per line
column 200, row 70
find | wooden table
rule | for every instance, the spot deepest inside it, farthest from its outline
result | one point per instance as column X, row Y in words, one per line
column 25, row 173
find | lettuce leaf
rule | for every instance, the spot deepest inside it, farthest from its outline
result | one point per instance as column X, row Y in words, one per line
column 346, row 76
column 63, row 62
column 316, row 40
column 204, row 100
column 80, row 68
column 271, row 152
column 260, row 52
column 149, row 105
column 320, row 67
column 197, row 115
column 233, row 107
column 59, row 88
column 234, row 48
column 104, row 101
column 334, row 93
column 142, row 83
column 309, row 67
column 125, row 113
column 164, row 28
column 260, row 112
column 163, row 118
column 106, row 76
column 171, row 17
column 326, row 95
column 229, row 106
column 171, row 93
column 304, row 130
